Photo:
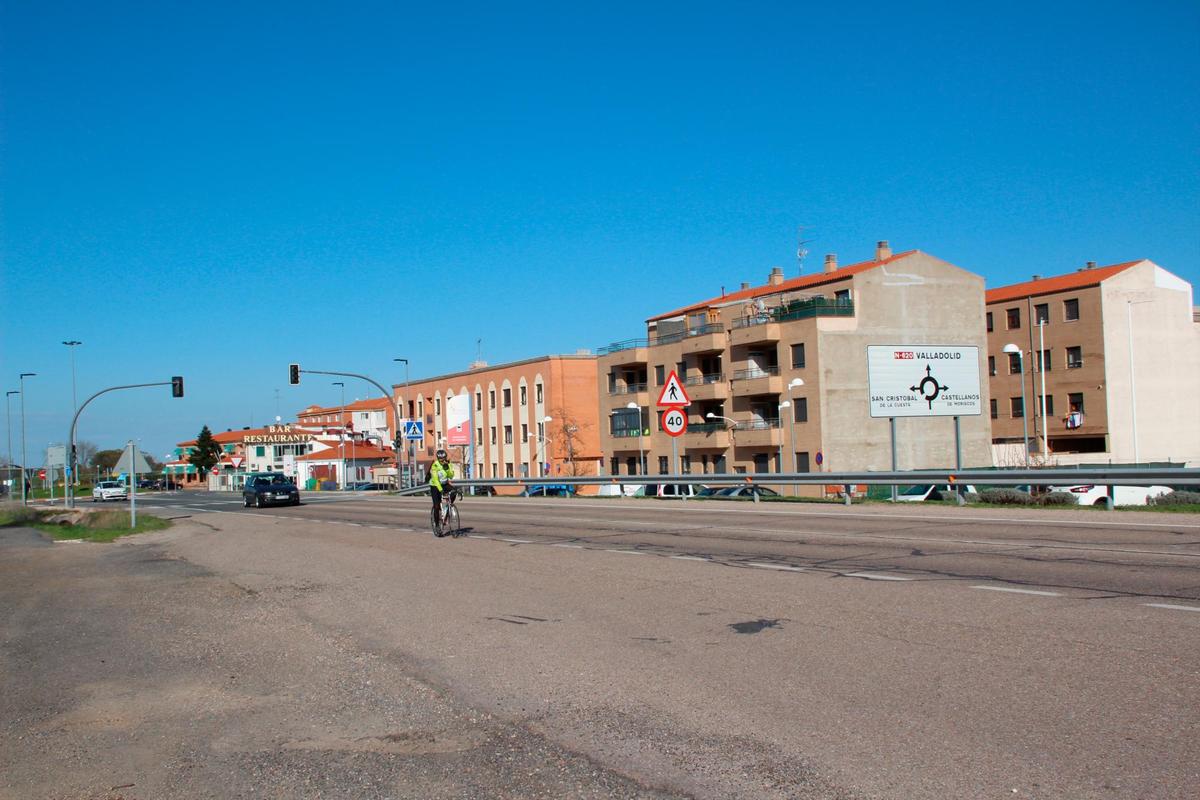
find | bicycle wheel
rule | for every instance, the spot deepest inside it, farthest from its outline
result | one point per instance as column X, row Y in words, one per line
column 453, row 525
column 433, row 522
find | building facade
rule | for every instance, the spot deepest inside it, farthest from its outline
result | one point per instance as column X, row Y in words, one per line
column 1118, row 351
column 777, row 374
column 509, row 405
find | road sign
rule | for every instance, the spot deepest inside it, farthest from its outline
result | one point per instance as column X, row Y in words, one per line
column 673, row 393
column 906, row 380
column 674, row 422
column 414, row 430
column 137, row 465
column 236, row 461
column 42, row 474
column 216, row 469
column 820, row 458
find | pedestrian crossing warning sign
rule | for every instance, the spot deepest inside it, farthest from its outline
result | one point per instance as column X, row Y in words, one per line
column 672, row 393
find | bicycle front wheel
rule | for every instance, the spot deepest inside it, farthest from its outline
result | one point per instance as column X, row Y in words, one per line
column 453, row 525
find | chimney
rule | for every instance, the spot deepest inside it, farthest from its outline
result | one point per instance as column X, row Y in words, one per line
column 776, row 276
column 883, row 251
column 831, row 262
column 1091, row 265
column 1037, row 277
column 745, row 286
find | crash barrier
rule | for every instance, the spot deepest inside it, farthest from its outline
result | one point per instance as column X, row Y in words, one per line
column 848, row 481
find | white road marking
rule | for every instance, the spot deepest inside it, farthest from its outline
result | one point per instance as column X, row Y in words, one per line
column 1172, row 607
column 626, row 552
column 477, row 536
column 780, row 567
column 1017, row 591
column 572, row 546
column 515, row 541
column 875, row 576
column 689, row 558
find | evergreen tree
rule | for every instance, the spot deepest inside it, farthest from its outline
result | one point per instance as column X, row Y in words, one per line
column 207, row 452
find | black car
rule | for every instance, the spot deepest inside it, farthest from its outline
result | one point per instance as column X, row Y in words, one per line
column 269, row 488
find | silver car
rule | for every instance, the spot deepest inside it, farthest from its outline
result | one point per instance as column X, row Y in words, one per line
column 110, row 490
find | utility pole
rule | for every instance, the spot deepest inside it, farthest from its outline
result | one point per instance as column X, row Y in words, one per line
column 24, row 482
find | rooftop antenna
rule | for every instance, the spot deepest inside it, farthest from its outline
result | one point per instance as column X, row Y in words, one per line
column 801, row 247
column 479, row 349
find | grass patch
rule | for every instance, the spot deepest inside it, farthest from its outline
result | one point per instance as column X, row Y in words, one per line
column 92, row 526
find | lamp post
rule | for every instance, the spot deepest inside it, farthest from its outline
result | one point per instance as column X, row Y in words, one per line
column 732, row 430
column 1013, row 349
column 24, row 482
column 8, row 419
column 641, row 448
column 399, row 434
column 794, row 383
column 542, row 465
column 1041, row 368
column 782, row 406
column 342, row 432
column 71, row 345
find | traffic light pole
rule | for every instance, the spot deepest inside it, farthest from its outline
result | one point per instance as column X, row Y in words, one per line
column 176, row 385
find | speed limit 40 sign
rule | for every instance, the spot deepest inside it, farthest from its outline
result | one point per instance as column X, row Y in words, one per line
column 674, row 422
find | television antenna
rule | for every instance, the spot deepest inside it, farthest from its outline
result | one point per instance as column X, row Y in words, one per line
column 801, row 247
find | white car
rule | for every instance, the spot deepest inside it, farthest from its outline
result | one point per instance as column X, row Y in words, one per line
column 110, row 490
column 1088, row 494
column 930, row 491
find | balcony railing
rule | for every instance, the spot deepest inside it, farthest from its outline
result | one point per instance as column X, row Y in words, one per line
column 616, row 347
column 757, row 372
column 704, row 380
column 758, row 424
column 679, row 336
column 799, row 309
column 706, row 427
column 629, row 388
column 625, row 434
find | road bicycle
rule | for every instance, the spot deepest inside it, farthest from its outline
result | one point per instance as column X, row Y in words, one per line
column 451, row 524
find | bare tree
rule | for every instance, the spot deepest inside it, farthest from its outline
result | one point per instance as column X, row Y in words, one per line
column 568, row 439
column 85, row 451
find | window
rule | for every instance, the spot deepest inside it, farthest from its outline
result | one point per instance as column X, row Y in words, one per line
column 538, row 387
column 800, row 409
column 479, row 436
column 420, row 408
column 1014, row 318
column 1049, row 401
column 542, row 430
column 1041, row 313
column 508, row 434
column 1017, row 405
column 1071, row 309
column 491, row 398
column 662, row 465
column 681, row 370
column 842, row 296
column 259, row 452
column 992, row 365
column 802, row 464
column 524, row 395
column 493, row 434
column 1044, row 361
column 685, row 464
column 798, row 356
column 1014, row 363
column 508, row 470
column 1075, row 401
column 479, row 401
column 508, row 398
column 437, row 406
column 524, row 433
column 624, row 422
column 989, row 322
column 660, row 375
column 1074, row 357
column 992, row 403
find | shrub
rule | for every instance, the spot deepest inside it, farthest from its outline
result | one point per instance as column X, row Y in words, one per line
column 16, row 514
column 1177, row 498
column 1059, row 499
column 1005, row 497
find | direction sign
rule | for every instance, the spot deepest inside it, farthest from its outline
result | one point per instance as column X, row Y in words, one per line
column 673, row 393
column 908, row 380
column 674, row 422
column 414, row 430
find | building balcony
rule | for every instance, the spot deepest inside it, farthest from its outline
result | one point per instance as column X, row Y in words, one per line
column 631, row 352
column 638, row 392
column 758, row 380
column 707, row 435
column 760, row 329
column 707, row 387
column 705, row 339
column 759, row 433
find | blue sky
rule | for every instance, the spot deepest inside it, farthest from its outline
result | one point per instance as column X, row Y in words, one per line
column 217, row 191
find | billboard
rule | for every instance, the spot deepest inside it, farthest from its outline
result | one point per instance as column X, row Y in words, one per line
column 458, row 419
column 920, row 380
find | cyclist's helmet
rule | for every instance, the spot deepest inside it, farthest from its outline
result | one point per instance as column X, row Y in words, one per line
column 441, row 455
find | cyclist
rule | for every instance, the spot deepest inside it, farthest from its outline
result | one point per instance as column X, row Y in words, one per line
column 440, row 474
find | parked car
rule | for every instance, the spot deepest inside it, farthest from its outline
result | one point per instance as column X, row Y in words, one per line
column 367, row 486
column 110, row 490
column 675, row 490
column 1088, row 494
column 269, row 488
column 549, row 490
column 490, row 491
column 931, row 491
column 742, row 491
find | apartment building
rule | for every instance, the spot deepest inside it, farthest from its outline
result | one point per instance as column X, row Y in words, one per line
column 368, row 421
column 528, row 418
column 777, row 374
column 1118, row 351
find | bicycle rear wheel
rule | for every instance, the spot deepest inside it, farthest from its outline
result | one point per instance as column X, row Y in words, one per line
column 453, row 525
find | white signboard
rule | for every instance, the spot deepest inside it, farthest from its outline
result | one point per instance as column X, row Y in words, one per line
column 919, row 380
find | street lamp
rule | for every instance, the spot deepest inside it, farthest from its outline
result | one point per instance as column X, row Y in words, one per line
column 71, row 345
column 1013, row 349
column 732, row 429
column 342, row 432
column 24, row 482
column 542, row 465
column 641, row 448
column 399, row 435
column 795, row 382
column 8, row 418
column 782, row 406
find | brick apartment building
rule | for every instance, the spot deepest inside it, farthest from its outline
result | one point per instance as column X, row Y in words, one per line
column 509, row 406
column 739, row 356
column 1094, row 336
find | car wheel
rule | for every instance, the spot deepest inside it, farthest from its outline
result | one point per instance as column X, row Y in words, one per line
column 258, row 501
column 245, row 501
column 296, row 502
column 1100, row 502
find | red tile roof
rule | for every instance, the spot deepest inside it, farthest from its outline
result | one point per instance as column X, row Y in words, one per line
column 361, row 452
column 802, row 282
column 1058, row 283
column 371, row 404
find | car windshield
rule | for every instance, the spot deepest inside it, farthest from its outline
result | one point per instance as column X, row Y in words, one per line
column 917, row 490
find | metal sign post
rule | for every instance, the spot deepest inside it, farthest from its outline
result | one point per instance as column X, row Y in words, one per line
column 892, row 420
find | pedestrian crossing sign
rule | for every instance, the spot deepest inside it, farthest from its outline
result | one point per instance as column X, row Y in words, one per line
column 672, row 393
column 414, row 430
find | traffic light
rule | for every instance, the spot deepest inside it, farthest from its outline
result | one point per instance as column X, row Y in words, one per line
column 177, row 386
column 294, row 374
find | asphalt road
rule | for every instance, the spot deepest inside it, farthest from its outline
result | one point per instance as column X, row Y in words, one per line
column 606, row 648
